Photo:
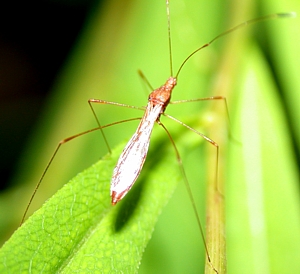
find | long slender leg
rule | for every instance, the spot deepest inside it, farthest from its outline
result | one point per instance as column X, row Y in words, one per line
column 143, row 77
column 209, row 99
column 204, row 137
column 77, row 135
column 66, row 140
column 97, row 101
column 206, row 99
column 189, row 190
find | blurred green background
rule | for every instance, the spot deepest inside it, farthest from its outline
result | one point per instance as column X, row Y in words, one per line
column 110, row 41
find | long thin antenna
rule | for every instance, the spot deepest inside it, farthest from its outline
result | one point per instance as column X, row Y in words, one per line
column 246, row 23
column 169, row 36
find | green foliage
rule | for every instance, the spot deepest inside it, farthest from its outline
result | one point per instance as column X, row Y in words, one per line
column 78, row 230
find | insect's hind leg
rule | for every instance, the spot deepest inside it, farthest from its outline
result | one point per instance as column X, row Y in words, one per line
column 189, row 190
column 205, row 138
column 66, row 140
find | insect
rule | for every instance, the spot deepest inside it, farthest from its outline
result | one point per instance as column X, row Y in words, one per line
column 134, row 154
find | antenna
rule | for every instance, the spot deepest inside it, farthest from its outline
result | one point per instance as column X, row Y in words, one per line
column 246, row 23
column 169, row 36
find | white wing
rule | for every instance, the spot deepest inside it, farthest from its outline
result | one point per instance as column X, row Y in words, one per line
column 134, row 154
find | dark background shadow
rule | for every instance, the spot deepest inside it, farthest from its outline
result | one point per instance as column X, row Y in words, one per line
column 35, row 39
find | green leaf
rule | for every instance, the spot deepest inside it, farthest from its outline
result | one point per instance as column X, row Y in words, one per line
column 78, row 230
